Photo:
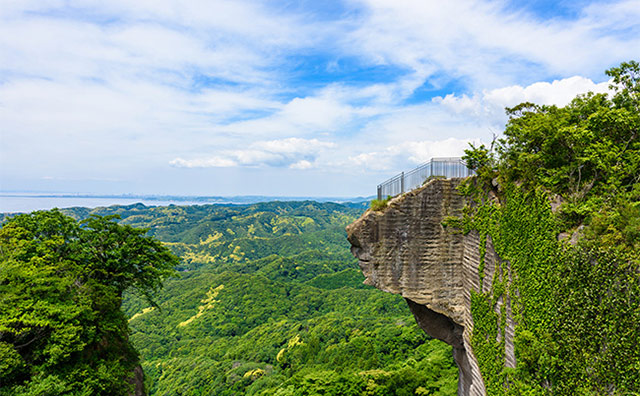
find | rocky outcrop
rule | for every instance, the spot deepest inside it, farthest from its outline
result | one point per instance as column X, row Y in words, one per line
column 405, row 249
column 137, row 379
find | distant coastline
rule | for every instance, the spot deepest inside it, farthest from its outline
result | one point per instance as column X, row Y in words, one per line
column 24, row 202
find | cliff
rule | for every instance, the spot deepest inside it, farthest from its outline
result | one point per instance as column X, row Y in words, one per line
column 405, row 249
column 548, row 265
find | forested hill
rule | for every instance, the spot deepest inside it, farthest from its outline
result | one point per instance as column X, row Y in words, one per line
column 271, row 302
column 216, row 234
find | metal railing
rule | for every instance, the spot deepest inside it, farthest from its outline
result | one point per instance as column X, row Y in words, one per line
column 444, row 167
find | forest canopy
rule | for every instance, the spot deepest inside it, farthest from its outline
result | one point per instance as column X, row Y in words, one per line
column 587, row 153
column 61, row 285
column 269, row 301
column 559, row 198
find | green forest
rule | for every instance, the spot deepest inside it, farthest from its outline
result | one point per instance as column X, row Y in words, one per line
column 559, row 198
column 266, row 300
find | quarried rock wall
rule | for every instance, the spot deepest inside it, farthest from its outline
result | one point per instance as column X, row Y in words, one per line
column 405, row 249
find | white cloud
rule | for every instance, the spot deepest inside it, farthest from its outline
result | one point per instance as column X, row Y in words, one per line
column 203, row 163
column 295, row 153
column 302, row 164
column 482, row 42
column 316, row 112
column 65, row 49
column 405, row 155
column 558, row 92
column 618, row 17
column 108, row 89
column 293, row 146
column 489, row 105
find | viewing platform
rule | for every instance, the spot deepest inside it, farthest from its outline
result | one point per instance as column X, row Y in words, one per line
column 447, row 167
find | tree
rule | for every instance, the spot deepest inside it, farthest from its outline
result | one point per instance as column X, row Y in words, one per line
column 61, row 286
column 574, row 299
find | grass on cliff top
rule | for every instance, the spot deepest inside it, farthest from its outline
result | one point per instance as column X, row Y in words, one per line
column 379, row 204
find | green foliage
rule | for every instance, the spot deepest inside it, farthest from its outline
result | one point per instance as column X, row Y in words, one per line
column 626, row 81
column 481, row 160
column 206, row 235
column 61, row 285
column 576, row 307
column 380, row 204
column 599, row 333
column 349, row 277
column 523, row 234
column 290, row 317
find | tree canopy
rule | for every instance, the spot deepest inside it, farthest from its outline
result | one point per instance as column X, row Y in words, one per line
column 587, row 153
column 61, row 286
column 559, row 199
column 271, row 302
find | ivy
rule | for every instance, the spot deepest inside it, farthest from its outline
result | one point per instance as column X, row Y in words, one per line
column 576, row 307
column 487, row 346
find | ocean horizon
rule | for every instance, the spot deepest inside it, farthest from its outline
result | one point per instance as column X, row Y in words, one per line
column 28, row 202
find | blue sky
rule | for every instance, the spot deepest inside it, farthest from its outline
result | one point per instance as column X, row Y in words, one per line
column 279, row 97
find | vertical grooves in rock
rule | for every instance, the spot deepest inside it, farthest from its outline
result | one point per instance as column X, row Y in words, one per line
column 471, row 263
column 404, row 249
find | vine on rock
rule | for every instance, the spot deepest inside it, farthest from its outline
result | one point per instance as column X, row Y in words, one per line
column 570, row 276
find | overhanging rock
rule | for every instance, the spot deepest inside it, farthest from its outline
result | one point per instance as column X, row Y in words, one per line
column 405, row 249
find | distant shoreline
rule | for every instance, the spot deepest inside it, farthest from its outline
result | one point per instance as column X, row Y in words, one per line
column 18, row 202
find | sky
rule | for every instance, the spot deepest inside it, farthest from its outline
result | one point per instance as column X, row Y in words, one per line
column 281, row 98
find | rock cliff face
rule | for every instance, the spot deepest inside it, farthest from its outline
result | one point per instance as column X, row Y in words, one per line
column 405, row 249
column 137, row 379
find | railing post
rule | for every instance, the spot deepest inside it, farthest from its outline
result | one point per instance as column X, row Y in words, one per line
column 447, row 167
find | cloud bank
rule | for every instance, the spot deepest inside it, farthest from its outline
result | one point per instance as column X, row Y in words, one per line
column 294, row 153
column 153, row 95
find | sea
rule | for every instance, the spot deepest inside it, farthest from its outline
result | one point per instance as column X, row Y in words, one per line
column 28, row 203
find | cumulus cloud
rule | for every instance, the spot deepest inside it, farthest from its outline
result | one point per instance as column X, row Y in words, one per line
column 123, row 87
column 411, row 153
column 302, row 164
column 489, row 105
column 295, row 153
